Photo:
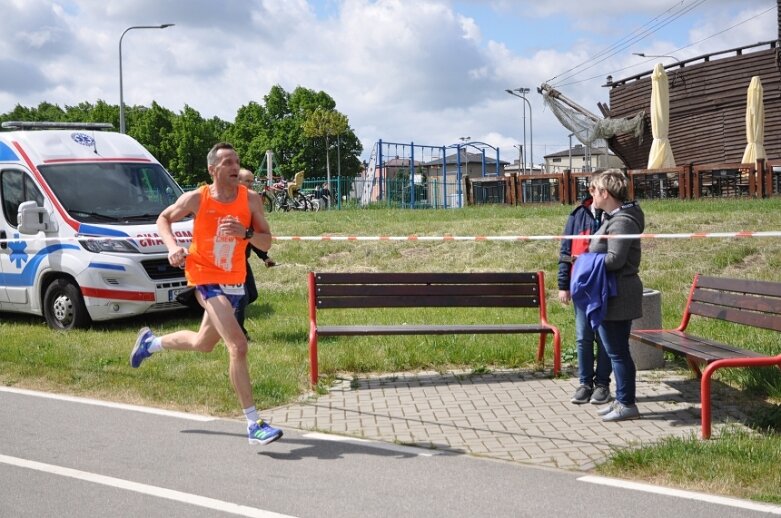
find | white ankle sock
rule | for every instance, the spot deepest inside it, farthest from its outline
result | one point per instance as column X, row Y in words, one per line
column 156, row 346
column 251, row 414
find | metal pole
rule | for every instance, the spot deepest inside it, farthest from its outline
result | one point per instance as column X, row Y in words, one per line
column 521, row 93
column 121, row 98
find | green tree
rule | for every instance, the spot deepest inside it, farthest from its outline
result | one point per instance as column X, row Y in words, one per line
column 325, row 124
column 154, row 128
column 193, row 138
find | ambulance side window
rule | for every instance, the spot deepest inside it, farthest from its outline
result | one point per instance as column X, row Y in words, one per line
column 16, row 187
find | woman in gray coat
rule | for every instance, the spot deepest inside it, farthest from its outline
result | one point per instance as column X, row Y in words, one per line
column 622, row 260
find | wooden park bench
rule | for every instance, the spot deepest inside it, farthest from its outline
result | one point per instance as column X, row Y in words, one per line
column 746, row 302
column 429, row 290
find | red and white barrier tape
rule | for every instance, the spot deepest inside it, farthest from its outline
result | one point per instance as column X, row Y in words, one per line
column 446, row 237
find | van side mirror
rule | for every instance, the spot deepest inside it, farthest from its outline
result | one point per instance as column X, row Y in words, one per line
column 33, row 219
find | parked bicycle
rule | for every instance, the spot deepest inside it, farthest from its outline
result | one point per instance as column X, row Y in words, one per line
column 277, row 197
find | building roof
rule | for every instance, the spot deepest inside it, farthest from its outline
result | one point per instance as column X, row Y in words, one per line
column 578, row 150
column 473, row 158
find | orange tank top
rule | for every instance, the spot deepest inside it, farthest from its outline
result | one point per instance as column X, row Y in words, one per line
column 214, row 259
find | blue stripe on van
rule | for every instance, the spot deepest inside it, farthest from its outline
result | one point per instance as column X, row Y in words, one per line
column 94, row 230
column 27, row 275
column 107, row 266
column 7, row 154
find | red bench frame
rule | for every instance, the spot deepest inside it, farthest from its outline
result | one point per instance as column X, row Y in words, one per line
column 747, row 302
column 399, row 290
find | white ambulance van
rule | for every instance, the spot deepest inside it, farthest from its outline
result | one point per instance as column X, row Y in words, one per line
column 78, row 240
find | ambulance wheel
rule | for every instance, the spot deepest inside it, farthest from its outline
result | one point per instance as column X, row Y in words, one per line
column 63, row 306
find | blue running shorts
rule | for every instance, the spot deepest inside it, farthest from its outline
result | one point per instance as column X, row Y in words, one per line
column 233, row 292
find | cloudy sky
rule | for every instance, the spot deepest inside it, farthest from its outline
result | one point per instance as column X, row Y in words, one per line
column 426, row 71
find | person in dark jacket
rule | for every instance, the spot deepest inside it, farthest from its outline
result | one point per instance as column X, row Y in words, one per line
column 594, row 383
column 622, row 258
column 247, row 179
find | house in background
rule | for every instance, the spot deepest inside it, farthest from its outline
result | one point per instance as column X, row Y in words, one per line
column 481, row 168
column 581, row 158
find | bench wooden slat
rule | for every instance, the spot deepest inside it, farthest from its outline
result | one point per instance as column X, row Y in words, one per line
column 737, row 316
column 424, row 278
column 431, row 329
column 739, row 301
column 407, row 301
column 690, row 345
column 414, row 290
column 768, row 288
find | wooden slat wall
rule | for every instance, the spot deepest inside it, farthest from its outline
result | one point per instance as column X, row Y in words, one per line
column 707, row 110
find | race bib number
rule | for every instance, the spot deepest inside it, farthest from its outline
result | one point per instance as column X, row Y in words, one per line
column 232, row 289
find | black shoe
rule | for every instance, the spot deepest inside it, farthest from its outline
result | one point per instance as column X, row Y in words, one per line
column 601, row 395
column 582, row 395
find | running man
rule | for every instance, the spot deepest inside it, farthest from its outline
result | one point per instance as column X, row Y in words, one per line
column 228, row 217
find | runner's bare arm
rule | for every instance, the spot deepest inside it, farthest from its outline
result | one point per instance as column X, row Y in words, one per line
column 188, row 203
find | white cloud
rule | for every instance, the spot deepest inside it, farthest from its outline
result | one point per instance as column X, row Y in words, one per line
column 427, row 71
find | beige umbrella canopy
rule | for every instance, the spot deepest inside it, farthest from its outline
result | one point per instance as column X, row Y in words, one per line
column 755, row 123
column 661, row 154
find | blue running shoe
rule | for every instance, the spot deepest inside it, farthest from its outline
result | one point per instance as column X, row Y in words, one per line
column 140, row 351
column 263, row 433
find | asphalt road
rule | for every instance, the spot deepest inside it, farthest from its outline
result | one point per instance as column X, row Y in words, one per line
column 80, row 458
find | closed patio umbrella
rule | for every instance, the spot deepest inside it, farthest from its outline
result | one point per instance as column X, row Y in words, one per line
column 661, row 154
column 755, row 123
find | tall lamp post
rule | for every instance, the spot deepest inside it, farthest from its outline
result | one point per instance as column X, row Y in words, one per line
column 677, row 61
column 121, row 99
column 520, row 155
column 521, row 93
column 465, row 140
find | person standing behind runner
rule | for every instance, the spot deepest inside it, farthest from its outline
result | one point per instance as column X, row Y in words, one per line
column 594, row 385
column 247, row 179
column 228, row 217
column 622, row 258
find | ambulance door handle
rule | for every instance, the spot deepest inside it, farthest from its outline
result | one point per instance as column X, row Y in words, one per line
column 3, row 237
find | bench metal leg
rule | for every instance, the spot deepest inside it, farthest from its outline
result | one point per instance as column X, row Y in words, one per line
column 556, row 350
column 705, row 391
column 313, row 374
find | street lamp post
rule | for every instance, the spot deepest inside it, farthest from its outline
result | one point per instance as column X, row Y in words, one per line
column 520, row 155
column 121, row 99
column 521, row 93
column 677, row 61
column 466, row 140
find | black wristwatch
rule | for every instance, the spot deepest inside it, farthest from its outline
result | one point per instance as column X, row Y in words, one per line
column 249, row 233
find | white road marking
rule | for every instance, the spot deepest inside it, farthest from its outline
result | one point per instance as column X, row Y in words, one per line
column 160, row 492
column 680, row 493
column 408, row 450
column 120, row 406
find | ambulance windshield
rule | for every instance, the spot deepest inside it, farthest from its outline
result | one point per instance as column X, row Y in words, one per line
column 119, row 193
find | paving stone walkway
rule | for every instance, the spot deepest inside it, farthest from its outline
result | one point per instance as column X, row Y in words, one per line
column 517, row 416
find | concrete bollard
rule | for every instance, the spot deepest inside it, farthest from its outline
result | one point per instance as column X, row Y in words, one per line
column 647, row 357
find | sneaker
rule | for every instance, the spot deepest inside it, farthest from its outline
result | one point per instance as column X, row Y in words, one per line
column 600, row 396
column 140, row 351
column 263, row 433
column 606, row 410
column 622, row 412
column 582, row 395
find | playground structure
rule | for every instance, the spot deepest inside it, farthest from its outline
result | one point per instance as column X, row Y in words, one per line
column 415, row 176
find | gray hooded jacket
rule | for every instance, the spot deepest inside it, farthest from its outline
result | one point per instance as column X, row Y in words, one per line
column 623, row 259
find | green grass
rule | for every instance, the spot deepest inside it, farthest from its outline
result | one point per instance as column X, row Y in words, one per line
column 94, row 362
column 738, row 464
